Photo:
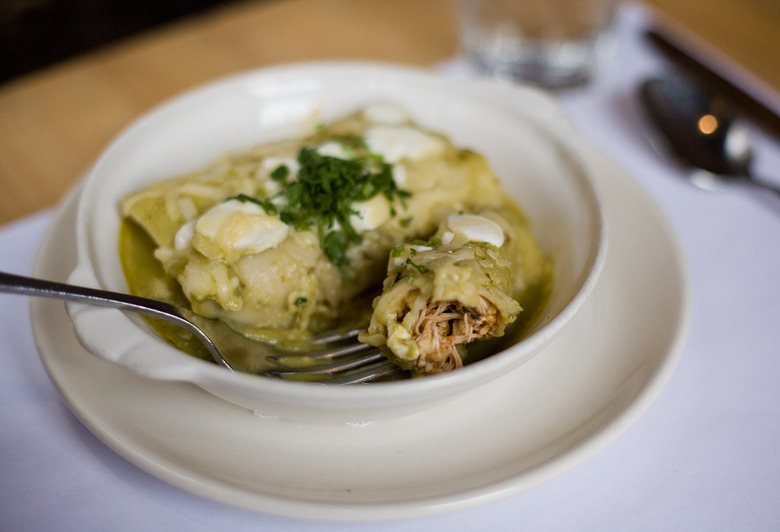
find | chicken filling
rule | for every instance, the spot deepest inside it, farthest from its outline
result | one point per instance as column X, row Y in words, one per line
column 443, row 326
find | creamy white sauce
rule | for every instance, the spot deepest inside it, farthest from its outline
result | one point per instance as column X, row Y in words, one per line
column 370, row 213
column 335, row 149
column 477, row 229
column 241, row 228
column 395, row 143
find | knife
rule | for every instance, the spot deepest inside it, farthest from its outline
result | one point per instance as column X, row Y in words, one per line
column 751, row 105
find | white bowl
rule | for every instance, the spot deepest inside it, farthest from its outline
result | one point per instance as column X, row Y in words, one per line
column 521, row 131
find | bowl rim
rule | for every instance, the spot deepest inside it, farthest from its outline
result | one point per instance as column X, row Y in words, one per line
column 546, row 116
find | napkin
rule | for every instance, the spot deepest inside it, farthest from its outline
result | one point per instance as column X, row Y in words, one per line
column 703, row 457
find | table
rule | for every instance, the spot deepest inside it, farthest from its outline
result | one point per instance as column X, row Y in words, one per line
column 703, row 457
column 54, row 123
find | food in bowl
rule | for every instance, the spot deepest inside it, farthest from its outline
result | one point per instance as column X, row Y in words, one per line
column 299, row 236
column 543, row 164
column 462, row 285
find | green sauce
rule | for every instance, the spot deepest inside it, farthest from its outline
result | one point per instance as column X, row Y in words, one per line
column 146, row 278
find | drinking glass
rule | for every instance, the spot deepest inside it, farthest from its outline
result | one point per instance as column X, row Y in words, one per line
column 551, row 43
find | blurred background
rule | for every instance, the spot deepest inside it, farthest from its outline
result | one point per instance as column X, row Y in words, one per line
column 74, row 73
column 38, row 33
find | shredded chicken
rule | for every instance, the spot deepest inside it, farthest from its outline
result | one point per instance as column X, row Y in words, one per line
column 442, row 326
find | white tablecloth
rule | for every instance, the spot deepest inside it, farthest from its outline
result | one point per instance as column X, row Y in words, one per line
column 704, row 457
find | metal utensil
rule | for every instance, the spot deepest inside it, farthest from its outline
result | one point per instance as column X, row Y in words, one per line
column 741, row 88
column 699, row 131
column 336, row 357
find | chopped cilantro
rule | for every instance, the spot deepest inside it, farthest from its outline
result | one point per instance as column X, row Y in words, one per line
column 419, row 267
column 335, row 247
column 322, row 194
column 432, row 243
column 280, row 173
column 266, row 204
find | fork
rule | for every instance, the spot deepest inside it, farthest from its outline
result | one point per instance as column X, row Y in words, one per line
column 335, row 357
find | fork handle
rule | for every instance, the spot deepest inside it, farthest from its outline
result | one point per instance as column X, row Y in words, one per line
column 30, row 286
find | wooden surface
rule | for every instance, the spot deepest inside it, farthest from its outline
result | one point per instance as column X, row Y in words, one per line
column 54, row 123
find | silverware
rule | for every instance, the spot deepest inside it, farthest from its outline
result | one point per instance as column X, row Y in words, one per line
column 699, row 131
column 336, row 357
column 715, row 78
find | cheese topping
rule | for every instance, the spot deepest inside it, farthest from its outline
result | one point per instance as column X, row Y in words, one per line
column 371, row 213
column 233, row 229
column 477, row 229
column 335, row 149
column 395, row 143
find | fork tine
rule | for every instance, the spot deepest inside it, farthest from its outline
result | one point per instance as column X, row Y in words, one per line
column 321, row 355
column 328, row 368
column 349, row 349
column 336, row 335
column 339, row 354
column 377, row 370
column 371, row 373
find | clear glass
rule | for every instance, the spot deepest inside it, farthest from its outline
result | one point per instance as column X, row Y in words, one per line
column 552, row 43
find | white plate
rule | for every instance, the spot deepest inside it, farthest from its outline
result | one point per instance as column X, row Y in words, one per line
column 529, row 426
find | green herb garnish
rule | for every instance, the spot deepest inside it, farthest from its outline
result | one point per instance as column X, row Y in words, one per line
column 433, row 242
column 419, row 267
column 280, row 173
column 322, row 194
